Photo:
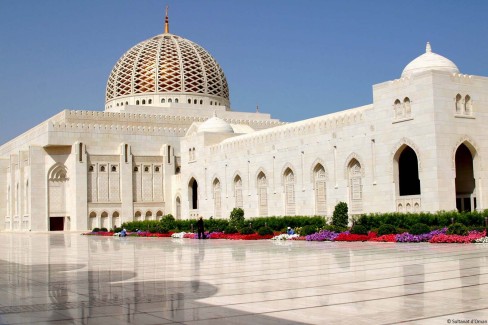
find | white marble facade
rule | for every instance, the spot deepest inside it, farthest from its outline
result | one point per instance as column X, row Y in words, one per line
column 171, row 144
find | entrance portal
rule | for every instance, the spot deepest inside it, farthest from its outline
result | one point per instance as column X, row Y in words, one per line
column 465, row 181
column 56, row 223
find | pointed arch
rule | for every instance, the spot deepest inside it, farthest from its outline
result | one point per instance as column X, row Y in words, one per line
column 355, row 181
column 466, row 162
column 289, row 188
column 319, row 186
column 58, row 172
column 238, row 191
column 262, row 189
column 178, row 206
column 471, row 145
column 116, row 219
column 406, row 171
column 316, row 162
column 401, row 144
column 353, row 156
column 193, row 193
column 217, row 195
column 286, row 167
column 458, row 106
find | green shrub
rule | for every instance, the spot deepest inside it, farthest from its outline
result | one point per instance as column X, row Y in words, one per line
column 246, row 231
column 167, row 222
column 117, row 229
column 230, row 230
column 307, row 230
column 386, row 229
column 96, row 229
column 340, row 215
column 103, row 229
column 263, row 231
column 419, row 228
column 334, row 228
column 213, row 225
column 457, row 229
column 359, row 230
column 236, row 217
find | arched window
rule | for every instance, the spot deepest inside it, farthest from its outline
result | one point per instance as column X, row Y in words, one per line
column 289, row 184
column 178, row 208
column 194, row 101
column 137, row 216
column 137, row 102
column 467, row 105
column 115, row 219
column 159, row 215
column 189, row 101
column 459, row 100
column 406, row 107
column 104, row 220
column 176, row 100
column 148, row 215
column 217, row 198
column 149, row 101
column 262, row 184
column 201, row 102
column 143, row 102
column 170, row 100
column 398, row 109
column 163, row 100
column 355, row 186
column 92, row 221
column 320, row 190
column 238, row 191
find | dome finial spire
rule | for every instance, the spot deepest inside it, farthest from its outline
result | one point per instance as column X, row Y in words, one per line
column 428, row 49
column 166, row 22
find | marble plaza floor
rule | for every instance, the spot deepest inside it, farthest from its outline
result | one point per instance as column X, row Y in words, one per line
column 67, row 278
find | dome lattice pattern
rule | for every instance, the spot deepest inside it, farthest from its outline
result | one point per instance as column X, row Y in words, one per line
column 167, row 64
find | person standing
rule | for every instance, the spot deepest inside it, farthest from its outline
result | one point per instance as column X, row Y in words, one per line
column 200, row 228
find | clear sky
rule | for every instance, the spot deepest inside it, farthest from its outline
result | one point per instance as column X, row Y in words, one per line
column 295, row 59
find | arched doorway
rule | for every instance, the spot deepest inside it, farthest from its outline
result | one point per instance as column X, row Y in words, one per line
column 465, row 181
column 58, row 183
column 92, row 221
column 148, row 215
column 408, row 172
column 104, row 220
column 193, row 194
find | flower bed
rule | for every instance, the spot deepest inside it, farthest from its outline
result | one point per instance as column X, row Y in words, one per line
column 323, row 235
column 470, row 238
column 435, row 236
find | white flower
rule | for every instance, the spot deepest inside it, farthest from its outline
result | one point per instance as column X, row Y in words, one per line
column 284, row 237
column 482, row 240
column 178, row 234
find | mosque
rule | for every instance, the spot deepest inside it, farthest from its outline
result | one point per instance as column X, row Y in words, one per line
column 168, row 142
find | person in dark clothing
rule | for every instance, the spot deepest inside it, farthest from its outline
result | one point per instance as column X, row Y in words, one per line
column 200, row 228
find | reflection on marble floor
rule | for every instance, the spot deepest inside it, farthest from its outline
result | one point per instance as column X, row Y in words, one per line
column 67, row 278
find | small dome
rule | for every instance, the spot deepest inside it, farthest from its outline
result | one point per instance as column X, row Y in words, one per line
column 429, row 61
column 216, row 125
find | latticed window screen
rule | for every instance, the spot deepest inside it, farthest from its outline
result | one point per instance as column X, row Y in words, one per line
column 289, row 192
column 166, row 63
column 217, row 199
column 263, row 194
column 320, row 191
column 238, row 192
column 355, row 186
